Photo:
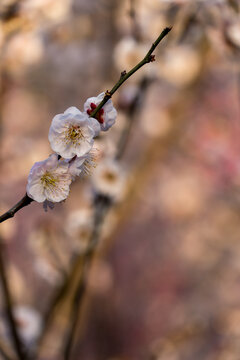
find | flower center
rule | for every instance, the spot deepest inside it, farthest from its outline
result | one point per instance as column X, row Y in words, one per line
column 110, row 176
column 99, row 115
column 48, row 180
column 74, row 135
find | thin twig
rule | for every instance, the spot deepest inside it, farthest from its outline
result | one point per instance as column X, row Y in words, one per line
column 147, row 59
column 9, row 309
column 26, row 200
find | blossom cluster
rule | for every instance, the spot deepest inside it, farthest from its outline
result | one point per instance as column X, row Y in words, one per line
column 71, row 137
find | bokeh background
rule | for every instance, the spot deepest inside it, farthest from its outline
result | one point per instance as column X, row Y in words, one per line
column 165, row 281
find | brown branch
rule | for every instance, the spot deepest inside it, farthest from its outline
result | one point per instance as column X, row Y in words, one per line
column 26, row 200
column 18, row 346
column 147, row 59
column 85, row 259
column 102, row 205
column 6, row 352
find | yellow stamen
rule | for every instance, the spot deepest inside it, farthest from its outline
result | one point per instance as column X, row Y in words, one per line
column 48, row 180
column 110, row 176
column 73, row 135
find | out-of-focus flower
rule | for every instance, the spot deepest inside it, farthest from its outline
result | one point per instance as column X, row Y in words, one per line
column 233, row 34
column 29, row 323
column 100, row 278
column 49, row 180
column 78, row 228
column 54, row 10
column 47, row 271
column 83, row 165
column 106, row 116
column 181, row 195
column 155, row 122
column 72, row 133
column 180, row 65
column 128, row 53
column 23, row 49
column 109, row 179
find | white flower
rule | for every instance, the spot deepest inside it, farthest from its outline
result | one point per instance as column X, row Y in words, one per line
column 29, row 49
column 180, row 65
column 49, row 180
column 72, row 133
column 47, row 271
column 233, row 33
column 78, row 228
column 109, row 179
column 83, row 165
column 106, row 116
column 29, row 323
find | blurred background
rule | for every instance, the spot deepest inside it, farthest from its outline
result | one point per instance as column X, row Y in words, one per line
column 165, row 281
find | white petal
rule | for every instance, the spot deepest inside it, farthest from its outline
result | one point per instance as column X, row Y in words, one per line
column 84, row 148
column 36, row 192
column 72, row 110
column 94, row 124
column 75, row 167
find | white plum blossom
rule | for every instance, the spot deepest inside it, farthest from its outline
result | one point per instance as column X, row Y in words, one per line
column 29, row 323
column 109, row 179
column 106, row 116
column 83, row 165
column 78, row 228
column 47, row 271
column 72, row 133
column 49, row 180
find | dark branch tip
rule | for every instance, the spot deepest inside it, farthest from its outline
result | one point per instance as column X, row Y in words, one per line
column 108, row 94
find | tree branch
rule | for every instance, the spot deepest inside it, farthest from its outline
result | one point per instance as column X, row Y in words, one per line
column 84, row 260
column 102, row 203
column 9, row 309
column 124, row 76
column 26, row 200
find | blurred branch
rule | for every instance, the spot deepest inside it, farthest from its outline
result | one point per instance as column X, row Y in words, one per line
column 10, row 11
column 6, row 352
column 133, row 109
column 136, row 33
column 102, row 205
column 26, row 200
column 9, row 309
column 234, row 4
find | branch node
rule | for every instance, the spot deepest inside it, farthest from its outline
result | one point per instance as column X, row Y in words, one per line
column 152, row 58
column 108, row 94
column 123, row 73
